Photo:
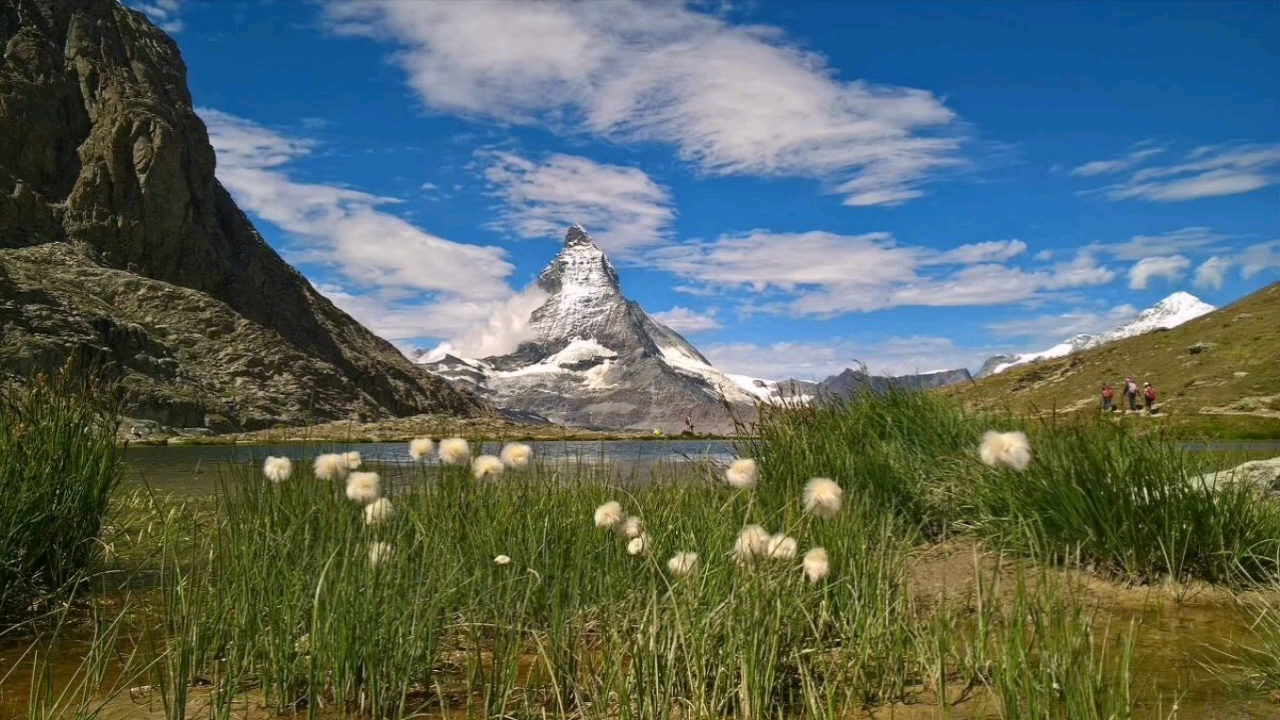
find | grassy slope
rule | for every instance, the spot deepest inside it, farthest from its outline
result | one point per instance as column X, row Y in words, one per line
column 1233, row 386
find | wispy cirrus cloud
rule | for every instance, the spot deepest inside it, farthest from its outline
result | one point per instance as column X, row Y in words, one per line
column 1135, row 156
column 622, row 206
column 1054, row 328
column 1185, row 240
column 824, row 274
column 1209, row 171
column 731, row 99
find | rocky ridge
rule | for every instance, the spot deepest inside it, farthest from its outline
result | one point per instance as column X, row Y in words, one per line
column 120, row 249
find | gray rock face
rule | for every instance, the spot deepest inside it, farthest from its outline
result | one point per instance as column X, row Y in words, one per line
column 600, row 361
column 118, row 245
column 1262, row 475
column 853, row 382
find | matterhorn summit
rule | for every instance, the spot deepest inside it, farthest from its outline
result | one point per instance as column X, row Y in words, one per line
column 1169, row 313
column 598, row 360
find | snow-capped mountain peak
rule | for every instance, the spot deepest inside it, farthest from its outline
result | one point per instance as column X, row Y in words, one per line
column 1170, row 312
column 597, row 359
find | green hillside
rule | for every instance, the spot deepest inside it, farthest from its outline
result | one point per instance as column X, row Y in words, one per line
column 1219, row 372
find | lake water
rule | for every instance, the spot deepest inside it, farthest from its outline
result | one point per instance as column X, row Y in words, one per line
column 196, row 468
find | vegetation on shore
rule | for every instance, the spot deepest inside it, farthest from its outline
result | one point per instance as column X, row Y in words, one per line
column 1216, row 374
column 491, row 588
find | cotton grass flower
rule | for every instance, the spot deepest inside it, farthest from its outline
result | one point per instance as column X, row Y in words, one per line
column 781, row 547
column 353, row 460
column 331, row 466
column 420, row 448
column 455, row 451
column 363, row 487
column 486, row 467
column 823, row 497
column 502, row 560
column 379, row 552
column 683, row 564
column 516, row 456
column 609, row 515
column 302, row 645
column 742, row 474
column 1009, row 449
column 378, row 512
column 752, row 542
column 277, row 469
column 816, row 566
column 630, row 528
column 639, row 545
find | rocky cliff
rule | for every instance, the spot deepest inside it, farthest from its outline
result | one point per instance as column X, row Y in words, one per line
column 119, row 247
column 854, row 382
column 599, row 361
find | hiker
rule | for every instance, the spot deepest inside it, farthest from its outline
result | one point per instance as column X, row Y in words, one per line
column 1149, row 395
column 1108, row 398
column 1131, row 393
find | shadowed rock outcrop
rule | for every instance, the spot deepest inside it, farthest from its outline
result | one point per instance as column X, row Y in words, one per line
column 119, row 246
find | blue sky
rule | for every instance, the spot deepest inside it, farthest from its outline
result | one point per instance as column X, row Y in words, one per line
column 791, row 185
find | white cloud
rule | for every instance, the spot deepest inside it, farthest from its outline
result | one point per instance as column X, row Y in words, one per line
column 398, row 279
column 623, row 206
column 819, row 360
column 828, row 274
column 164, row 13
column 685, row 320
column 1206, row 172
column 1055, row 328
column 1212, row 273
column 734, row 100
column 1169, row 268
column 1124, row 162
column 1257, row 258
column 1189, row 239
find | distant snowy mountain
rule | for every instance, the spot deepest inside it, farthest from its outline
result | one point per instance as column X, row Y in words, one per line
column 1170, row 312
column 598, row 360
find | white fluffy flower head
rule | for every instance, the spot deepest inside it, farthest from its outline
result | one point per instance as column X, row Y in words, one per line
column 277, row 469
column 379, row 552
column 609, row 515
column 752, row 542
column 516, row 455
column 502, row 560
column 816, row 566
column 420, row 448
column 455, row 451
column 353, row 460
column 331, row 466
column 378, row 512
column 630, row 528
column 742, row 474
column 683, row 564
column 487, row 467
column 639, row 545
column 782, row 547
column 823, row 497
column 1009, row 449
column 363, row 487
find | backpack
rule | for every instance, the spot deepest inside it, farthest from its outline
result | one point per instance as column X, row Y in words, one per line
column 1150, row 393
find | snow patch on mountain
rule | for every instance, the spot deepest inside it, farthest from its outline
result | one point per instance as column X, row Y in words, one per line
column 1170, row 312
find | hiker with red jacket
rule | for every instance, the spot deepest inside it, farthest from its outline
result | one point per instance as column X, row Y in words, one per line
column 1149, row 395
column 1108, row 398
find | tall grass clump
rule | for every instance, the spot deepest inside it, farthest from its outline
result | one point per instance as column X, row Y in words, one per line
column 900, row 450
column 1128, row 504
column 59, row 464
